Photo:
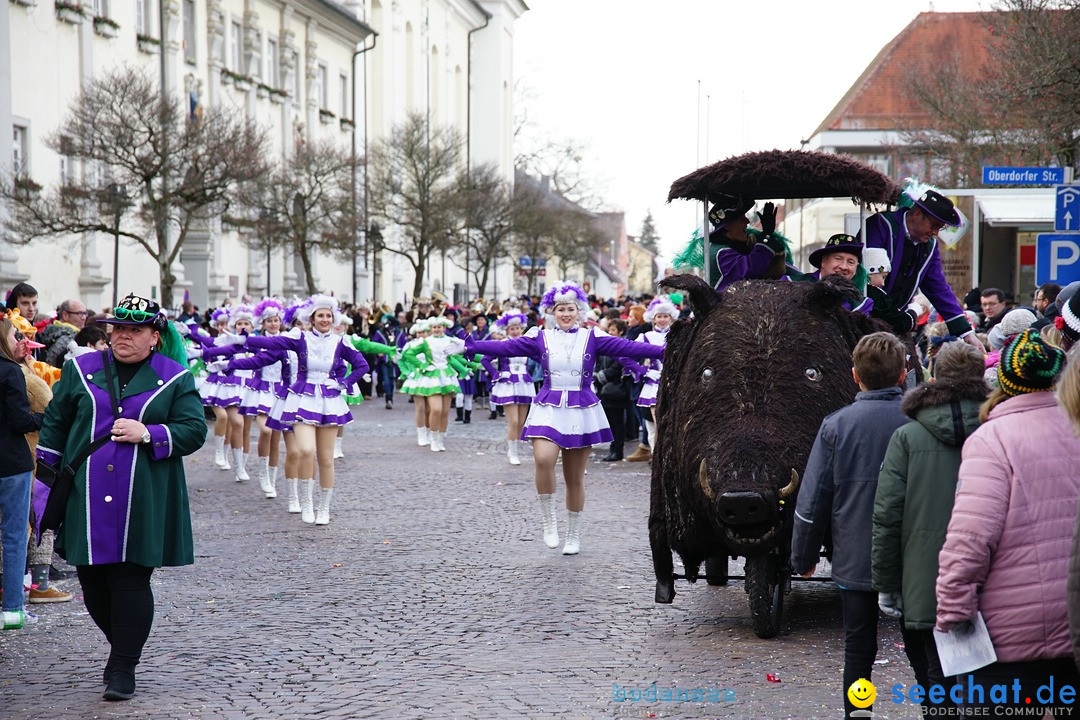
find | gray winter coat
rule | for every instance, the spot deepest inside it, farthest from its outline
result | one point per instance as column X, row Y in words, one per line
column 839, row 484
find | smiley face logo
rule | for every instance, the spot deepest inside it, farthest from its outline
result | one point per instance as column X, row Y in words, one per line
column 862, row 693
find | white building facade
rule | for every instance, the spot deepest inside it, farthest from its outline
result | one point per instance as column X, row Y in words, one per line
column 307, row 70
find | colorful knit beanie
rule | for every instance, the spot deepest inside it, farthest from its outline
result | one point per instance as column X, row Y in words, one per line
column 1029, row 364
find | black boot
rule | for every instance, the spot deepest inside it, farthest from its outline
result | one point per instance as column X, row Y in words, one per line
column 121, row 681
column 460, row 413
column 494, row 414
column 501, row 411
column 468, row 417
column 615, row 453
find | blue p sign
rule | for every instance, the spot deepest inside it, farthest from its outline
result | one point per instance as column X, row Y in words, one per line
column 1057, row 258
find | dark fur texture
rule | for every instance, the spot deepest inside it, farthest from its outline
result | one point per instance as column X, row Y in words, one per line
column 786, row 174
column 780, row 356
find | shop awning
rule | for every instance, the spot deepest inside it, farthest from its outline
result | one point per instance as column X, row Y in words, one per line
column 1017, row 210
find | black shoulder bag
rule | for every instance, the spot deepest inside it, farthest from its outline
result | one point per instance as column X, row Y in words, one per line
column 61, row 481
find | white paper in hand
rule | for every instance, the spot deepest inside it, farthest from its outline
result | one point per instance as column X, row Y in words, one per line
column 962, row 653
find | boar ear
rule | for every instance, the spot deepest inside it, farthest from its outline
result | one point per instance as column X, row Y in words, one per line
column 702, row 297
column 828, row 294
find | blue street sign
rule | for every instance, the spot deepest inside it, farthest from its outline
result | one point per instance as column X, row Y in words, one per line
column 524, row 262
column 1023, row 176
column 1057, row 258
column 1067, row 208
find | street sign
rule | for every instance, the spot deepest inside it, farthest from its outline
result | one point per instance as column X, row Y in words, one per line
column 1067, row 208
column 1023, row 176
column 528, row 262
column 1057, row 258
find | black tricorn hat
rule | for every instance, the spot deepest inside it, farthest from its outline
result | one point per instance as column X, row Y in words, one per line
column 841, row 242
column 937, row 205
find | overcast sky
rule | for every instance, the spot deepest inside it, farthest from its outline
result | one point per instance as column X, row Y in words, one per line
column 622, row 77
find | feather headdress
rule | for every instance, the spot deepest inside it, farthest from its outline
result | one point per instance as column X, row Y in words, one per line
column 565, row 293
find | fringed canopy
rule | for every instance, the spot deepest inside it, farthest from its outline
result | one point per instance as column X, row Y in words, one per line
column 786, row 174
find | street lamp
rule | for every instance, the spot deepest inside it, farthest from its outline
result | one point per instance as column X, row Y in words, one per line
column 116, row 200
column 374, row 234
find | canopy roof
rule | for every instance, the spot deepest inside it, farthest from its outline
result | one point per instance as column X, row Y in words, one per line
column 782, row 174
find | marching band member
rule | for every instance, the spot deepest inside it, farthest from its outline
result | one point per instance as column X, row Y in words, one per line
column 513, row 389
column 439, row 379
column 566, row 415
column 411, row 367
column 315, row 401
column 661, row 313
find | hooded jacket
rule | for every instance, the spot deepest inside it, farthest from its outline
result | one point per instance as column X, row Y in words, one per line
column 1006, row 551
column 915, row 492
column 839, row 484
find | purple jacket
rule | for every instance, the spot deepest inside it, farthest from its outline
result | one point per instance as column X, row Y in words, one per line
column 343, row 352
column 1006, row 551
column 734, row 265
column 536, row 347
column 888, row 231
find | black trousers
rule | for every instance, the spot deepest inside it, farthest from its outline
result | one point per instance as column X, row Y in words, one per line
column 1034, row 677
column 860, row 611
column 121, row 603
column 921, row 651
column 616, row 415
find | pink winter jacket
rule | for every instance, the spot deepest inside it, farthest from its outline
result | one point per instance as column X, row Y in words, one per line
column 1006, row 551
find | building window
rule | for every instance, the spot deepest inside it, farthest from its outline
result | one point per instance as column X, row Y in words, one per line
column 297, row 70
column 236, row 32
column 101, row 8
column 189, row 31
column 344, row 85
column 142, row 18
column 20, row 152
column 881, row 163
column 323, row 91
column 272, row 76
column 256, row 67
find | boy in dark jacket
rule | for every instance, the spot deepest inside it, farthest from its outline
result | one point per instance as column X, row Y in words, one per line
column 915, row 498
column 838, row 489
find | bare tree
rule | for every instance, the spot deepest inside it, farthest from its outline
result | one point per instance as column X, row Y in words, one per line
column 1021, row 108
column 1037, row 58
column 575, row 239
column 304, row 206
column 534, row 227
column 143, row 150
column 411, row 178
column 486, row 204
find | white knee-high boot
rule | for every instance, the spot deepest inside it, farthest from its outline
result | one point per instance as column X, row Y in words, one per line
column 338, row 451
column 512, row 452
column 423, row 437
column 238, row 461
column 262, row 474
column 294, row 494
column 322, row 515
column 573, row 533
column 434, row 442
column 273, row 470
column 650, row 427
column 219, row 453
column 307, row 502
column 550, row 524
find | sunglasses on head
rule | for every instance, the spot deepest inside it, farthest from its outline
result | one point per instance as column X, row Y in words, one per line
column 122, row 313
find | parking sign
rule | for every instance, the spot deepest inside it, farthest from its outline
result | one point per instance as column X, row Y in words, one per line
column 1057, row 258
column 1067, row 208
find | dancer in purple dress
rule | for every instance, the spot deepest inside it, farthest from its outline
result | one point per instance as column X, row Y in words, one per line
column 513, row 389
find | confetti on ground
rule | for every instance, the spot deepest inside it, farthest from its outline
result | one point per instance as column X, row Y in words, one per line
column 772, row 678
column 386, row 541
column 338, row 565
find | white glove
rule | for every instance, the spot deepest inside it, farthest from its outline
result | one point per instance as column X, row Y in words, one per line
column 228, row 338
column 504, row 375
column 366, row 377
column 891, row 604
column 653, row 375
column 182, row 329
column 217, row 366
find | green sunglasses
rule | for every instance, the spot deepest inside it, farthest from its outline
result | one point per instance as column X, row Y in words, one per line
column 122, row 313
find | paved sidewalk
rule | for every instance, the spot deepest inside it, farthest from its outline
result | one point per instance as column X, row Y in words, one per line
column 431, row 595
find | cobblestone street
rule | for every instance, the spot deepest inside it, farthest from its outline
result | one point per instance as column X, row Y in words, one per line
column 431, row 595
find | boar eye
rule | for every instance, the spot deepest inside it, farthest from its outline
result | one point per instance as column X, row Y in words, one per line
column 706, row 374
column 813, row 374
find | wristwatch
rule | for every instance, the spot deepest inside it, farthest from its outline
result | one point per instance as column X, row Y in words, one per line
column 145, row 438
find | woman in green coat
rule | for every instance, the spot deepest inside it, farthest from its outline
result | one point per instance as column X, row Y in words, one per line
column 128, row 512
column 914, row 499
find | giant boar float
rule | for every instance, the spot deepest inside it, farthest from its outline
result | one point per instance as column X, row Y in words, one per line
column 746, row 384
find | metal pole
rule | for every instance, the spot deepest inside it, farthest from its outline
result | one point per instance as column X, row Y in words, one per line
column 352, row 171
column 706, row 265
column 116, row 258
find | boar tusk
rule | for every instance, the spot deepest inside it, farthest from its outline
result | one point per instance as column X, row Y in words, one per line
column 703, row 480
column 791, row 487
